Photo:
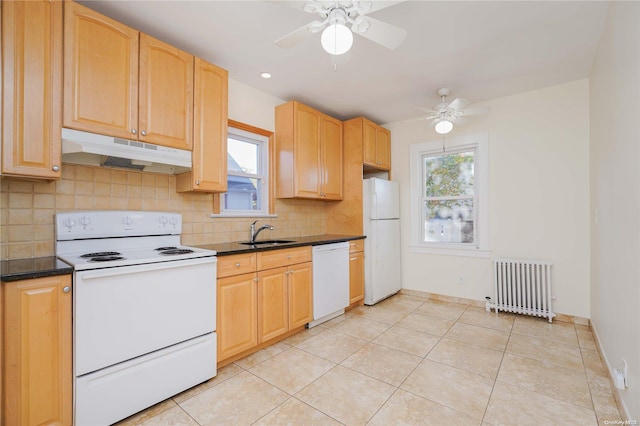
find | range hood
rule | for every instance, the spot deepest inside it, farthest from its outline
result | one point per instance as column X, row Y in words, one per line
column 98, row 150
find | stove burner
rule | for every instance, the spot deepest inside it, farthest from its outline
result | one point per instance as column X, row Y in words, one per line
column 166, row 248
column 176, row 251
column 100, row 254
column 105, row 258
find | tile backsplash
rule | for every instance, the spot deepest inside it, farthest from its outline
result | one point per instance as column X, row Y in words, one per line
column 27, row 209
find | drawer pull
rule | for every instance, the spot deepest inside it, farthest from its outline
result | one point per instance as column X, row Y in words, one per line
column 238, row 265
column 66, row 289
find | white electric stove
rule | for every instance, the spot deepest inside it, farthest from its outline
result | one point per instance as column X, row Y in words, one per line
column 144, row 310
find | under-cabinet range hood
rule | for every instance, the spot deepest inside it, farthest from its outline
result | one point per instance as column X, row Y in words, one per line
column 98, row 150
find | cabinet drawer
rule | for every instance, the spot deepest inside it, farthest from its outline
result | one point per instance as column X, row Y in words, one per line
column 356, row 246
column 276, row 258
column 236, row 264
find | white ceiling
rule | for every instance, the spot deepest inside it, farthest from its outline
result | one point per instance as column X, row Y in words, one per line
column 482, row 50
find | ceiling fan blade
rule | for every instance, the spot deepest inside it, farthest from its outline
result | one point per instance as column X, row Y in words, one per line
column 296, row 36
column 459, row 103
column 384, row 34
column 373, row 6
column 430, row 111
column 474, row 111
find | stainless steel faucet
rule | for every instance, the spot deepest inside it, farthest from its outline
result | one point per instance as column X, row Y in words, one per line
column 254, row 233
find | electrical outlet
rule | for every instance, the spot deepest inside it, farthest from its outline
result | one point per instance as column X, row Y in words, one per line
column 625, row 372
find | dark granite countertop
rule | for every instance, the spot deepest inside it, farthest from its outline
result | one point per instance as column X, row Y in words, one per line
column 225, row 249
column 36, row 267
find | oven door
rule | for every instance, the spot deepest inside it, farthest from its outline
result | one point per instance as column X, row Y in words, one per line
column 125, row 312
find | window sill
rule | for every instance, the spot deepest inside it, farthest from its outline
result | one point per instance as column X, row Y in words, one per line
column 463, row 252
column 218, row 215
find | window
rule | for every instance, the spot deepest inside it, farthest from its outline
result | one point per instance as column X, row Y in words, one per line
column 449, row 202
column 247, row 175
column 449, row 197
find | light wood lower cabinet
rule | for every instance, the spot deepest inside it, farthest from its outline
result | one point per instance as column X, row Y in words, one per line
column 37, row 352
column 237, row 322
column 356, row 271
column 300, row 294
column 262, row 296
column 273, row 304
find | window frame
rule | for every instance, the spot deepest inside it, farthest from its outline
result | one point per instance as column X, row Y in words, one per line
column 480, row 145
column 266, row 139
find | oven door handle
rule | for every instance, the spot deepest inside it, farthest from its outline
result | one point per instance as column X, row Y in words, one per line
column 114, row 271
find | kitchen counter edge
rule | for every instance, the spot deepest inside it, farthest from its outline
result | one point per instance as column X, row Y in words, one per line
column 35, row 267
column 226, row 249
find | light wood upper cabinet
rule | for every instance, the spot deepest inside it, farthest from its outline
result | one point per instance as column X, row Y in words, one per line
column 376, row 142
column 31, row 88
column 166, row 94
column 121, row 83
column 210, row 110
column 331, row 158
column 38, row 350
column 308, row 153
column 100, row 73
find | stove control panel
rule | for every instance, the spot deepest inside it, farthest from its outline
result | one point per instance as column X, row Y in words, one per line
column 116, row 223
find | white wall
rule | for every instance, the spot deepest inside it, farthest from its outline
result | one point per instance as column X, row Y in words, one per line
column 252, row 106
column 615, row 193
column 538, row 195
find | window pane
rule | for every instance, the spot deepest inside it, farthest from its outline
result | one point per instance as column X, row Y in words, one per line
column 449, row 175
column 243, row 156
column 242, row 194
column 448, row 221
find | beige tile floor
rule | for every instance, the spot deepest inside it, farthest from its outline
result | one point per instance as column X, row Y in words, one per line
column 408, row 361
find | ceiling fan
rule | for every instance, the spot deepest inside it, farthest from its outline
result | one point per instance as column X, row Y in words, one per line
column 339, row 20
column 444, row 115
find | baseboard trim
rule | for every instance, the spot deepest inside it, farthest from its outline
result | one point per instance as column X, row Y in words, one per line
column 481, row 303
column 622, row 408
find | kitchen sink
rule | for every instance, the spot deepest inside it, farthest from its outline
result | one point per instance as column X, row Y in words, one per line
column 266, row 242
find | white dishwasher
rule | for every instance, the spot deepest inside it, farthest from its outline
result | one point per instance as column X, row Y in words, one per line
column 330, row 281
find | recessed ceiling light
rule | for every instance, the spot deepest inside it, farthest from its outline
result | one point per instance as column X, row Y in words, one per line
column 265, row 75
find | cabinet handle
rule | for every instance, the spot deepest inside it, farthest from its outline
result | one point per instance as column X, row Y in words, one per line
column 55, row 168
column 197, row 182
column 237, row 265
column 143, row 133
column 66, row 289
column 288, row 256
column 255, row 279
column 134, row 131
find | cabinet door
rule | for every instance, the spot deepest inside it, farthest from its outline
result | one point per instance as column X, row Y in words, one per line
column 307, row 172
column 300, row 288
column 31, row 87
column 331, row 155
column 166, row 94
column 236, row 315
column 37, row 362
column 383, row 148
column 209, row 171
column 272, row 304
column 100, row 73
column 356, row 277
column 369, row 142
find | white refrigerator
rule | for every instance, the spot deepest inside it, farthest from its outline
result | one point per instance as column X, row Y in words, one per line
column 382, row 243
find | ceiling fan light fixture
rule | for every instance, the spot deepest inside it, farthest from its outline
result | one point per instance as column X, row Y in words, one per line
column 444, row 126
column 336, row 39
